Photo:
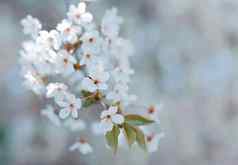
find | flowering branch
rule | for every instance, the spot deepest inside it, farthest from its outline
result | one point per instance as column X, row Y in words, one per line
column 79, row 65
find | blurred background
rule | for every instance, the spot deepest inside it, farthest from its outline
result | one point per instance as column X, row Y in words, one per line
column 186, row 57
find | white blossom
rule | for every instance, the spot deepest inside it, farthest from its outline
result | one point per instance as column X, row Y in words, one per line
column 31, row 26
column 91, row 42
column 87, row 59
column 79, row 15
column 75, row 125
column 56, row 90
column 109, row 118
column 50, row 114
column 153, row 141
column 152, row 112
column 111, row 23
column 28, row 52
column 119, row 91
column 69, row 106
column 121, row 74
column 82, row 146
column 65, row 63
column 68, row 31
column 96, row 79
column 121, row 49
column 50, row 39
column 34, row 82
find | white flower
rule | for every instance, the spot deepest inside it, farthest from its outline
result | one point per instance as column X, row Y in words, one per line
column 118, row 92
column 87, row 59
column 89, row 27
column 50, row 114
column 70, row 105
column 56, row 90
column 96, row 79
column 153, row 113
column 153, row 141
column 82, row 146
column 121, row 74
column 75, row 125
column 91, row 42
column 79, row 15
column 65, row 63
column 31, row 26
column 28, row 51
column 111, row 23
column 68, row 31
column 34, row 82
column 122, row 49
column 50, row 39
column 44, row 63
column 109, row 118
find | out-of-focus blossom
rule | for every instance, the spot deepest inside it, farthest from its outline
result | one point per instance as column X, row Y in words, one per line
column 82, row 146
column 31, row 26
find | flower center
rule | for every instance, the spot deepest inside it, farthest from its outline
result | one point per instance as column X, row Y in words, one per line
column 50, row 40
column 151, row 110
column 78, row 15
column 96, row 82
column 91, row 40
column 88, row 56
column 66, row 61
column 67, row 30
column 82, row 141
column 77, row 67
column 71, row 105
column 149, row 138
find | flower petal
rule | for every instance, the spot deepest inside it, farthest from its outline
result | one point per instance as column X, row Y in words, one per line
column 78, row 103
column 75, row 146
column 87, row 17
column 61, row 102
column 106, row 126
column 88, row 85
column 118, row 119
column 74, row 113
column 102, row 86
column 105, row 114
column 82, row 7
column 113, row 110
column 64, row 113
column 85, row 148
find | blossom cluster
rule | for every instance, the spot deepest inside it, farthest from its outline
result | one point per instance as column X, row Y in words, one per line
column 80, row 64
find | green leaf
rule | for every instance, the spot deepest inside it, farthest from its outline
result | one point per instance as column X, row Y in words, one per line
column 112, row 138
column 87, row 103
column 130, row 133
column 140, row 138
column 137, row 120
column 86, row 93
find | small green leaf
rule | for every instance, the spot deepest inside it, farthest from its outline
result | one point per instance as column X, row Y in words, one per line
column 130, row 133
column 112, row 138
column 86, row 93
column 137, row 120
column 140, row 138
column 88, row 103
